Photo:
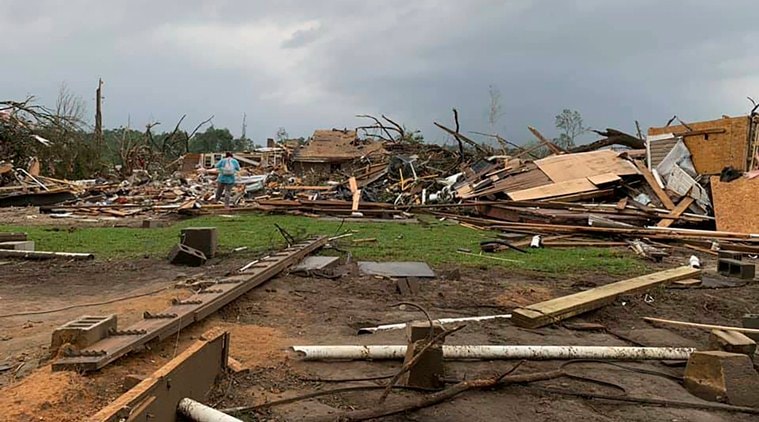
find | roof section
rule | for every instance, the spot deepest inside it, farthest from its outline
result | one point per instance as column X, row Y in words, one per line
column 330, row 146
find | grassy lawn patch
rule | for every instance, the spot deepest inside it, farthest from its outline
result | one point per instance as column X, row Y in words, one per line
column 431, row 241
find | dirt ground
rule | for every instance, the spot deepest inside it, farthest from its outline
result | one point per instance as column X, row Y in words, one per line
column 292, row 310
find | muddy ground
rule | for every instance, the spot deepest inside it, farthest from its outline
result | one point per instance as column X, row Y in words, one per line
column 292, row 310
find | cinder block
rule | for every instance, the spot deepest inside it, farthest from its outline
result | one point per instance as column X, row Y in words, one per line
column 732, row 341
column 429, row 371
column 82, row 332
column 723, row 377
column 751, row 321
column 730, row 255
column 185, row 255
column 734, row 267
column 204, row 239
column 19, row 245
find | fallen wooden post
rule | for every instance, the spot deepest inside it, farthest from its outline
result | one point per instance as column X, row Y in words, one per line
column 185, row 312
column 191, row 374
column 561, row 308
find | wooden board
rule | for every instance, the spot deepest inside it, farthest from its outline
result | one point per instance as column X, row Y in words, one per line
column 663, row 197
column 711, row 152
column 191, row 374
column 560, row 168
column 677, row 212
column 604, row 179
column 556, row 189
column 735, row 204
column 561, row 308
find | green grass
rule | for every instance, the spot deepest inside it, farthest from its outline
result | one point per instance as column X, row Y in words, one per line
column 433, row 241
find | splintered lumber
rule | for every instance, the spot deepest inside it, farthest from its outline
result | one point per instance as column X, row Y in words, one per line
column 651, row 180
column 677, row 212
column 554, row 310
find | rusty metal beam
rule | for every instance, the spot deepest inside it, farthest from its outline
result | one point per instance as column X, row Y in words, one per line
column 191, row 374
column 181, row 314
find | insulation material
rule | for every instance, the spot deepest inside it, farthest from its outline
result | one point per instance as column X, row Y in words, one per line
column 562, row 168
column 714, row 144
column 679, row 155
column 735, row 204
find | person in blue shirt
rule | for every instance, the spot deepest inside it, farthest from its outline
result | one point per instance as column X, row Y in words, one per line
column 228, row 168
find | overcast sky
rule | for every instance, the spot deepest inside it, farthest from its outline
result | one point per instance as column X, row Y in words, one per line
column 305, row 65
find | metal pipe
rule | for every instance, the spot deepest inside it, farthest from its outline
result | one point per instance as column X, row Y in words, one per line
column 199, row 412
column 388, row 327
column 494, row 352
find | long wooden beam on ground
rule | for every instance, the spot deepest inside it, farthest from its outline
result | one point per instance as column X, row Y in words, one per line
column 191, row 374
column 564, row 307
column 185, row 312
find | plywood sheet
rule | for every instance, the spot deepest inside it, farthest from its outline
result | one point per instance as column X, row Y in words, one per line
column 561, row 168
column 556, row 189
column 735, row 204
column 603, row 179
column 714, row 151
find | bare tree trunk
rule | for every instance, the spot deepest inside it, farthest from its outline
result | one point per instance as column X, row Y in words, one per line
column 99, row 115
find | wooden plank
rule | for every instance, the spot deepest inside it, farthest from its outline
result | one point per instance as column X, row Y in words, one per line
column 191, row 374
column 353, row 184
column 356, row 200
column 13, row 237
column 703, row 326
column 658, row 191
column 561, row 308
column 557, row 189
column 677, row 212
column 603, row 179
column 196, row 307
column 561, row 168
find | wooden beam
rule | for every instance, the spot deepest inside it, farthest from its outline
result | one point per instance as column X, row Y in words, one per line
column 663, row 197
column 703, row 326
column 677, row 212
column 191, row 374
column 553, row 147
column 561, row 308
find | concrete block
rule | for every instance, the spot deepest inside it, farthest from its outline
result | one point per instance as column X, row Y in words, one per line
column 751, row 321
column 723, row 377
column 730, row 255
column 82, row 332
column 732, row 341
column 734, row 267
column 185, row 255
column 429, row 371
column 18, row 245
column 204, row 239
column 152, row 224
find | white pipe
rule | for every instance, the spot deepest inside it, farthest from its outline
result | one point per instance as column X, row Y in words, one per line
column 490, row 352
column 199, row 412
column 9, row 253
column 388, row 327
